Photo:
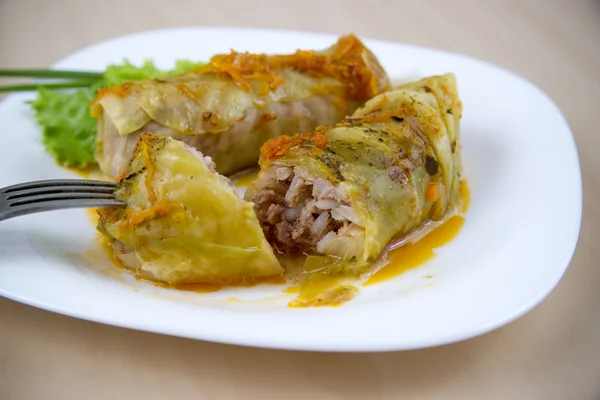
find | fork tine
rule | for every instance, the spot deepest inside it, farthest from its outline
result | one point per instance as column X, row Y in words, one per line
column 48, row 195
column 45, row 198
column 15, row 194
column 31, row 208
column 57, row 182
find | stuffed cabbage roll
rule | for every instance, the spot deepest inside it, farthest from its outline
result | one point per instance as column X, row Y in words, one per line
column 228, row 108
column 346, row 191
column 182, row 222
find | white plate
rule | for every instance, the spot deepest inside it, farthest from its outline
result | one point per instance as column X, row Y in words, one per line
column 520, row 233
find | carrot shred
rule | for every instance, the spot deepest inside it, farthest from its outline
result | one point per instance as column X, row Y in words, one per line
column 320, row 140
column 345, row 63
column 133, row 218
column 432, row 193
column 183, row 88
column 367, row 118
column 119, row 91
column 268, row 117
column 277, row 147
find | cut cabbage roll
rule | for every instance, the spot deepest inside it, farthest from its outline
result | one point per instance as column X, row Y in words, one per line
column 228, row 108
column 183, row 222
column 346, row 191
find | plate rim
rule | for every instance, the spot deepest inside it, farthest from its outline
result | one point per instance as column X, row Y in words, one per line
column 266, row 342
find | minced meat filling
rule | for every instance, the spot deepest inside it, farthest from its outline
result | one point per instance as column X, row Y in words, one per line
column 303, row 214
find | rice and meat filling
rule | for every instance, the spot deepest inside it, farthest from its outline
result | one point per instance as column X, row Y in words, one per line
column 300, row 211
column 346, row 191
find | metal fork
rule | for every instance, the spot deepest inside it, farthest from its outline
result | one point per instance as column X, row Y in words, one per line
column 57, row 194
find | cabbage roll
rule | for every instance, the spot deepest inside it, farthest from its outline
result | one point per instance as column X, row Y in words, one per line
column 183, row 222
column 346, row 191
column 228, row 108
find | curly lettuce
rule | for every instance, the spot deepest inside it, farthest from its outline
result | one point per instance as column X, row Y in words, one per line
column 127, row 72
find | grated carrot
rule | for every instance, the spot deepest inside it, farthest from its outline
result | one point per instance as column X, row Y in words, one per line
column 432, row 193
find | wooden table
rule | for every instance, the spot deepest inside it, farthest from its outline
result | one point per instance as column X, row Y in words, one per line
column 551, row 353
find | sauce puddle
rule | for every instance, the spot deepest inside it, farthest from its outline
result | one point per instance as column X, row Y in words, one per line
column 244, row 178
column 200, row 287
column 413, row 255
column 320, row 290
column 465, row 195
column 291, row 289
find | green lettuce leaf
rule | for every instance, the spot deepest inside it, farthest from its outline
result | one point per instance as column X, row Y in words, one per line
column 127, row 72
column 68, row 130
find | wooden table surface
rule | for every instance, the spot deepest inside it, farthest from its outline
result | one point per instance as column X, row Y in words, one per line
column 551, row 353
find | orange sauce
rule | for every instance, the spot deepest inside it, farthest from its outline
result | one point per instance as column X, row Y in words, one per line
column 323, row 291
column 200, row 287
column 84, row 173
column 203, row 287
column 415, row 254
column 93, row 215
column 465, row 195
column 193, row 287
column 244, row 178
column 318, row 284
column 291, row 289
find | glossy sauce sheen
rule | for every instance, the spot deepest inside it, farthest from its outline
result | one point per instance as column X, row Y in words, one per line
column 244, row 178
column 291, row 290
column 324, row 290
column 200, row 287
column 414, row 254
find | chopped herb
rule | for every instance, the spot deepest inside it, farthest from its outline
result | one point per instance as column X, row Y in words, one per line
column 431, row 165
column 449, row 111
column 134, row 174
column 397, row 119
column 380, row 139
column 333, row 165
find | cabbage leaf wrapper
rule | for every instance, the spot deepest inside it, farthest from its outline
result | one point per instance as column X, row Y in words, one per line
column 230, row 107
column 183, row 222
